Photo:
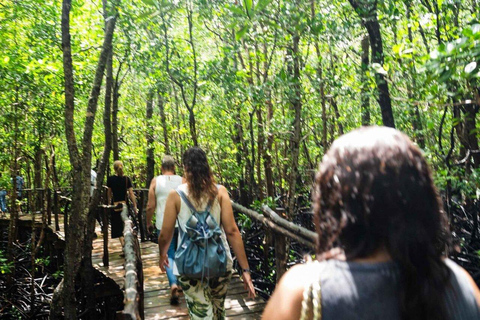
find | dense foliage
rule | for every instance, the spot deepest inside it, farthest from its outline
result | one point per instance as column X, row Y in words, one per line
column 264, row 86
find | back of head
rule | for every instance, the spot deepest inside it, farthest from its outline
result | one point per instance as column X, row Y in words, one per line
column 168, row 164
column 201, row 184
column 118, row 167
column 374, row 190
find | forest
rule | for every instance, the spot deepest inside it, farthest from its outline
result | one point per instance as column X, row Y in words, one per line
column 263, row 86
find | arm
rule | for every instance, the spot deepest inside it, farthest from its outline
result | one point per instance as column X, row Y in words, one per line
column 151, row 204
column 172, row 207
column 235, row 238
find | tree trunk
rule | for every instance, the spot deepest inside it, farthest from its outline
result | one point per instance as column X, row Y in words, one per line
column 150, row 139
column 415, row 113
column 364, row 80
column 367, row 11
column 260, row 150
column 80, row 162
column 163, row 120
column 114, row 134
column 267, row 155
column 296, row 106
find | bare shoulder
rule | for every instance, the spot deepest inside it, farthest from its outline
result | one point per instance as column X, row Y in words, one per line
column 222, row 193
column 286, row 301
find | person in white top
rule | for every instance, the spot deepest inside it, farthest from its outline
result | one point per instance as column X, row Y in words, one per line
column 157, row 196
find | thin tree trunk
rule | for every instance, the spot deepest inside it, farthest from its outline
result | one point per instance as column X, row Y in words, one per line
column 114, row 133
column 163, row 120
column 296, row 107
column 267, row 155
column 367, row 11
column 150, row 139
column 416, row 119
column 364, row 79
column 260, row 150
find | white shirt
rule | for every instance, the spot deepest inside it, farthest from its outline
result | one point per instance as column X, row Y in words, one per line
column 164, row 184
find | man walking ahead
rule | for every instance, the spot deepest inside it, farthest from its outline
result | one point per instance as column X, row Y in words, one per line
column 157, row 196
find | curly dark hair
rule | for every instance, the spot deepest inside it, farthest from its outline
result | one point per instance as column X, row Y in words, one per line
column 201, row 184
column 375, row 190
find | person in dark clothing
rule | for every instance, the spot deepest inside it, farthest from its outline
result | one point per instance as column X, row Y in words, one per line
column 118, row 187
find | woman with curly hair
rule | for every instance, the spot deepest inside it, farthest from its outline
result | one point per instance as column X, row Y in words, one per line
column 382, row 240
column 206, row 297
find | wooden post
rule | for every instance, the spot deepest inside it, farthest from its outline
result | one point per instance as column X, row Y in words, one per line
column 42, row 201
column 140, row 206
column 56, row 208
column 266, row 249
column 280, row 254
column 49, row 206
column 105, row 237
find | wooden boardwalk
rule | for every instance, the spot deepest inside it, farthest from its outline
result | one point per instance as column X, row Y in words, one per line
column 157, row 292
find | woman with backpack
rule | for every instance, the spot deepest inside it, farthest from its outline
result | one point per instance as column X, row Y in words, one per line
column 119, row 186
column 383, row 240
column 203, row 261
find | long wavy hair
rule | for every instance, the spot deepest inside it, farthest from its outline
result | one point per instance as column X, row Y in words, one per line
column 375, row 190
column 201, row 184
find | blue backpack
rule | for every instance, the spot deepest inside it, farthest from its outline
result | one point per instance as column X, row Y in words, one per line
column 201, row 253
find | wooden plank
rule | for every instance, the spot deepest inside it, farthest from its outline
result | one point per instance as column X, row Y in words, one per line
column 156, row 288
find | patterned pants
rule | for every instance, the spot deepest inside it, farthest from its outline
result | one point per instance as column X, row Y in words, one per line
column 205, row 300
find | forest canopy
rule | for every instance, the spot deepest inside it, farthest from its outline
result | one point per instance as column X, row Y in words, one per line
column 263, row 86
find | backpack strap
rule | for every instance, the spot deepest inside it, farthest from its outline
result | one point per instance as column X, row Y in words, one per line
column 189, row 204
column 185, row 199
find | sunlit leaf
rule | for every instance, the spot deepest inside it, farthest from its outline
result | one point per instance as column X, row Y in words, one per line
column 149, row 2
column 470, row 67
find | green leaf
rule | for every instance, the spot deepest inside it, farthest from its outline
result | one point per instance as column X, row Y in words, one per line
column 149, row 2
column 262, row 4
column 236, row 10
column 248, row 7
column 239, row 35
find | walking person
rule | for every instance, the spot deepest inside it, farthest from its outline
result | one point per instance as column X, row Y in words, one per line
column 206, row 296
column 160, row 187
column 118, row 187
column 375, row 199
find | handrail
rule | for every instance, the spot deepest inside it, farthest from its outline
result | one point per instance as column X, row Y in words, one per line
column 134, row 295
column 295, row 232
column 295, row 228
column 281, row 230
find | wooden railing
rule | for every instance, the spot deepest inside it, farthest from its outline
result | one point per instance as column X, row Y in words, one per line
column 134, row 294
column 281, row 229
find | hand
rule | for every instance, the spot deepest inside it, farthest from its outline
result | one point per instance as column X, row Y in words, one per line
column 248, row 285
column 149, row 227
column 163, row 262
